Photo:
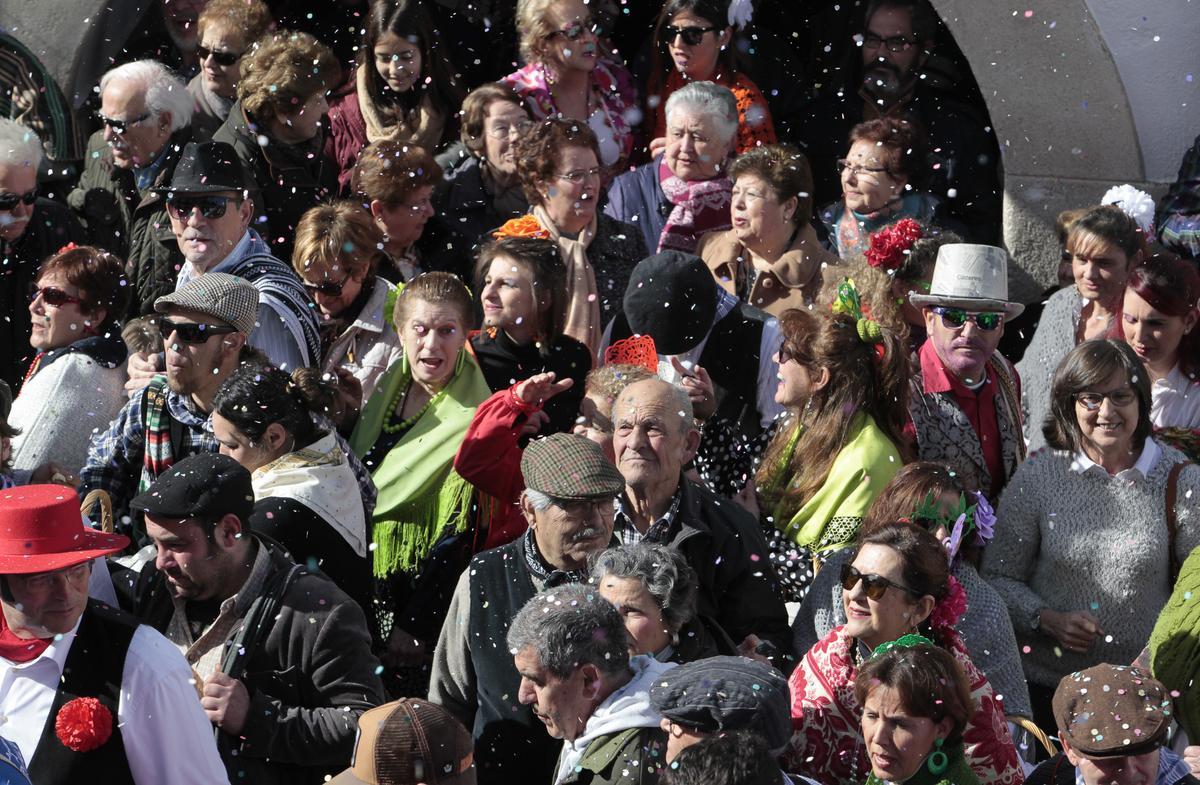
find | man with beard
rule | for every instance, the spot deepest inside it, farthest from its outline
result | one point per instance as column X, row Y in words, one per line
column 167, row 33
column 568, row 503
column 965, row 401
column 146, row 112
column 205, row 326
column 893, row 80
column 31, row 229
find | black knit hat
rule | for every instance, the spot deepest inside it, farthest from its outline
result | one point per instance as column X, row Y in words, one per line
column 726, row 693
column 672, row 297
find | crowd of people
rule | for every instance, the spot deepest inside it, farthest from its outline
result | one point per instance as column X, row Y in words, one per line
column 381, row 416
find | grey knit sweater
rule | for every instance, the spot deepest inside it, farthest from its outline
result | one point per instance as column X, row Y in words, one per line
column 985, row 628
column 1088, row 541
column 1052, row 340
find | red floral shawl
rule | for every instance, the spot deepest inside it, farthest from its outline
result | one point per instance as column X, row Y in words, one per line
column 827, row 740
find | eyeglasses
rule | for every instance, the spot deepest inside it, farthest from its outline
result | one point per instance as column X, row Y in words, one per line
column 8, row 201
column 223, row 58
column 584, row 508
column 211, row 207
column 869, row 172
column 194, row 334
column 954, row 318
column 504, row 130
column 576, row 30
column 51, row 296
column 874, row 586
column 692, row 36
column 579, row 175
column 43, row 581
column 896, row 43
column 1093, row 400
column 327, row 288
column 122, row 126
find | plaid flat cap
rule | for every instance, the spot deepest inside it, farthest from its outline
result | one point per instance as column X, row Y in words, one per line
column 565, row 466
column 1111, row 711
column 725, row 694
column 222, row 296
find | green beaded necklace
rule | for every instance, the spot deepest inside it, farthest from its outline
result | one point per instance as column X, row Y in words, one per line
column 394, row 407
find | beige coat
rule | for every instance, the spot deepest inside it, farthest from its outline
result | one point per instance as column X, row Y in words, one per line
column 369, row 346
column 793, row 281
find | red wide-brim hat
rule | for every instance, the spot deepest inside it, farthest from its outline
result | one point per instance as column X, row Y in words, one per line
column 41, row 530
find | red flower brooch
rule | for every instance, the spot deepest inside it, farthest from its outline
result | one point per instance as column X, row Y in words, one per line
column 951, row 607
column 83, row 724
column 891, row 244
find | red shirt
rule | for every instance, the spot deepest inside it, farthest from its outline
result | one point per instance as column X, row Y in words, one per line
column 978, row 405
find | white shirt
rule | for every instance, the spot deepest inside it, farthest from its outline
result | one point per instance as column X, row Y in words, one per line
column 1140, row 470
column 168, row 739
column 1175, row 401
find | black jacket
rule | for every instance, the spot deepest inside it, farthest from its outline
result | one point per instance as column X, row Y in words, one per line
column 466, row 212
column 310, row 678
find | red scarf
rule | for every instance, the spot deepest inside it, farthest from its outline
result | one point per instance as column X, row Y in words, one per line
column 17, row 649
column 701, row 206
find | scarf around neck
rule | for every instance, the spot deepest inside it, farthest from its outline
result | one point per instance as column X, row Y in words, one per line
column 583, row 297
column 701, row 206
column 420, row 494
column 14, row 648
column 422, row 127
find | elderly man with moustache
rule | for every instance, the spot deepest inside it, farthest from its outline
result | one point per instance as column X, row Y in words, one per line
column 568, row 503
column 146, row 112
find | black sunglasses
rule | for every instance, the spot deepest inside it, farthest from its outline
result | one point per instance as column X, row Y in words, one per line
column 692, row 36
column 51, row 296
column 223, row 58
column 122, row 126
column 8, row 201
column 874, row 586
column 327, row 288
column 954, row 318
column 211, row 207
column 194, row 334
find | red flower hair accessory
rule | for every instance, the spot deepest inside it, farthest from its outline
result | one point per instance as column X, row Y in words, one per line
column 951, row 607
column 635, row 350
column 65, row 248
column 891, row 244
column 83, row 724
column 525, row 226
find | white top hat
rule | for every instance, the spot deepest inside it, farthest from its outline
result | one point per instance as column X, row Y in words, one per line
column 971, row 277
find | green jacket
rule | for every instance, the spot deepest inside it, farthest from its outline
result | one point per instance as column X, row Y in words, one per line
column 131, row 223
column 636, row 756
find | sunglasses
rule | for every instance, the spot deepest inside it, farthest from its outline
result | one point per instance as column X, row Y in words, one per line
column 51, row 296
column 9, row 201
column 954, row 318
column 1093, row 400
column 874, row 586
column 122, row 126
column 327, row 288
column 692, row 36
column 194, row 334
column 576, row 30
column 211, row 207
column 223, row 58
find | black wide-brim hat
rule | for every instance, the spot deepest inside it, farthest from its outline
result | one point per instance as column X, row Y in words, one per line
column 205, row 168
column 672, row 297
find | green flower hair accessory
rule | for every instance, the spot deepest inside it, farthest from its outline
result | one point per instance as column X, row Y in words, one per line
column 849, row 303
column 960, row 521
column 908, row 641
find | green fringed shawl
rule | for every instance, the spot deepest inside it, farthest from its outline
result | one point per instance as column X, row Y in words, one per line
column 1175, row 645
column 420, row 494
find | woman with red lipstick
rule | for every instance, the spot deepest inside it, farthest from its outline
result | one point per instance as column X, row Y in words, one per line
column 522, row 287
column 568, row 74
column 898, row 583
column 402, row 89
column 1159, row 317
column 696, row 38
column 1105, row 245
column 916, row 702
column 423, row 529
column 75, row 384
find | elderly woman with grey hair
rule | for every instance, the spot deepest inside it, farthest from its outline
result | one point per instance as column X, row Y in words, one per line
column 1086, row 554
column 683, row 193
column 654, row 588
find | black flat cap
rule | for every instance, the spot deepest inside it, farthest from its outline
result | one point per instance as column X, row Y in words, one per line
column 208, row 486
column 205, row 168
column 671, row 297
column 726, row 693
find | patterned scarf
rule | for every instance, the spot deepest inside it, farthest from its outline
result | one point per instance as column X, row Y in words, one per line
column 583, row 297
column 159, row 455
column 701, row 206
column 278, row 285
column 546, row 574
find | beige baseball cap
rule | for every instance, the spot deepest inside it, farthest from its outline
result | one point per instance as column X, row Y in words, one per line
column 410, row 741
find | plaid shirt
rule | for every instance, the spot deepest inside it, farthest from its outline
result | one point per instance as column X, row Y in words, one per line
column 660, row 532
column 116, row 460
column 1178, row 219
